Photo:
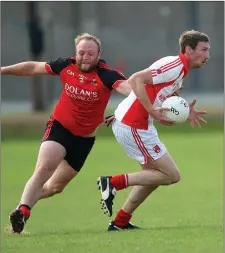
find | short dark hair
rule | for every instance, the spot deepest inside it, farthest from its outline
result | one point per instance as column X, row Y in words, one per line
column 191, row 38
column 87, row 36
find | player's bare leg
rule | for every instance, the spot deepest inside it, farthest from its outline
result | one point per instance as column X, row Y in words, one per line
column 147, row 177
column 123, row 216
column 50, row 156
column 59, row 180
column 140, row 193
column 137, row 195
column 165, row 173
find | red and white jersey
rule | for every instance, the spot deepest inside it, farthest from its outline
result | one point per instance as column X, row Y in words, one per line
column 167, row 74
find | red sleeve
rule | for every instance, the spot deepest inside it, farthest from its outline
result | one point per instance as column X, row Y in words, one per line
column 56, row 66
column 117, row 84
column 49, row 70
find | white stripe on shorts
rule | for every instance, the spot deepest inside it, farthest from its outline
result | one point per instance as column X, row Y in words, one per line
column 140, row 145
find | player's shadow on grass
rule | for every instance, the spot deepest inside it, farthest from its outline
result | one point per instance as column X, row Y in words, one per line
column 103, row 231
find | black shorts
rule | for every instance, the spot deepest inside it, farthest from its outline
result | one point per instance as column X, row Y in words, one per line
column 77, row 147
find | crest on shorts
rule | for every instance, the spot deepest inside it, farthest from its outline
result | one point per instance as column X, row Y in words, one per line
column 156, row 149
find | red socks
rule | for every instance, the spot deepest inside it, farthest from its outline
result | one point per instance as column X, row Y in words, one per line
column 122, row 218
column 119, row 182
column 25, row 210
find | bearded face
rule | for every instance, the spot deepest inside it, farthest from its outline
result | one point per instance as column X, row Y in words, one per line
column 87, row 55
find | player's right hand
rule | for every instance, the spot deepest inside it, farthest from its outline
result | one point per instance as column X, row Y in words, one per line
column 156, row 113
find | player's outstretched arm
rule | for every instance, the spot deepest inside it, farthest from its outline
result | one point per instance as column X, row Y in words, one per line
column 29, row 68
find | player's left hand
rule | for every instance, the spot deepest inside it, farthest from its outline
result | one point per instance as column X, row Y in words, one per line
column 109, row 119
column 195, row 116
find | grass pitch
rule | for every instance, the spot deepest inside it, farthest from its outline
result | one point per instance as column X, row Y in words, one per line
column 183, row 218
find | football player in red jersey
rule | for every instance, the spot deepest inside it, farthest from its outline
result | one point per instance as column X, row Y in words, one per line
column 87, row 83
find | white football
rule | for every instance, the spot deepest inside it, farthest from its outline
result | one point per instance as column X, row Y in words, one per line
column 179, row 109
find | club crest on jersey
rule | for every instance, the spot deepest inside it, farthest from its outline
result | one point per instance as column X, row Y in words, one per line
column 94, row 82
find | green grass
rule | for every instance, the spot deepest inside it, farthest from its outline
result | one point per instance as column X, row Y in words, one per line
column 183, row 218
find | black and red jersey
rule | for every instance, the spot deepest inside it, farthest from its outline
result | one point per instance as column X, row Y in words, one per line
column 84, row 98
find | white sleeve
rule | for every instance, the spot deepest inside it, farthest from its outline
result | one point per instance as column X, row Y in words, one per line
column 166, row 73
column 158, row 76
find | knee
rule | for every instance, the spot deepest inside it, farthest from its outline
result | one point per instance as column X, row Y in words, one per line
column 45, row 167
column 57, row 188
column 175, row 177
column 54, row 189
